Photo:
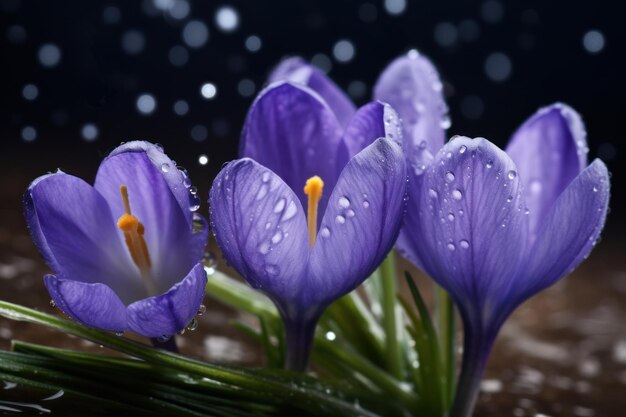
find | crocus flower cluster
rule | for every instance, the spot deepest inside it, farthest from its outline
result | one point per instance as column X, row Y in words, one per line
column 492, row 227
column 258, row 205
column 125, row 252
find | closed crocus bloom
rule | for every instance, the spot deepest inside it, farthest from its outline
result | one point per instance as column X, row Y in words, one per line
column 125, row 252
column 493, row 227
column 303, row 259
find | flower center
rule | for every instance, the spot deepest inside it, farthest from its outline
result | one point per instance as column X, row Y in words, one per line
column 313, row 189
column 136, row 244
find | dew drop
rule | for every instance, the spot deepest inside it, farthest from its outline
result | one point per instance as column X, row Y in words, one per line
column 366, row 204
column 509, row 199
column 451, row 217
column 433, row 193
column 457, row 195
column 280, row 205
column 451, row 246
column 511, row 175
column 595, row 189
column 350, row 213
column 445, row 122
column 489, row 164
column 291, row 211
column 266, row 176
column 165, row 167
column 462, row 149
column 464, row 244
column 201, row 309
column 271, row 270
column 325, row 232
column 119, row 334
column 193, row 325
column 187, row 182
column 340, row 219
column 268, row 225
column 344, row 202
column 262, row 191
column 264, row 248
column 278, row 236
column 53, row 304
column 449, row 155
column 449, row 176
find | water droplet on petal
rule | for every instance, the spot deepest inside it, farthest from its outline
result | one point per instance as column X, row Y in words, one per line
column 451, row 246
column 489, row 164
column 350, row 213
column 165, row 167
column 340, row 219
column 462, row 149
column 366, row 204
column 280, row 205
column 325, row 232
column 433, row 193
column 291, row 211
column 278, row 236
column 266, row 176
column 464, row 244
column 53, row 304
column 264, row 248
column 271, row 270
column 509, row 199
column 595, row 189
column 201, row 309
column 511, row 175
column 457, row 194
column 451, row 217
column 193, row 325
column 449, row 176
column 344, row 202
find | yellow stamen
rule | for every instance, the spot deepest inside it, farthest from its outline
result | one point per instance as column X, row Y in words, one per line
column 133, row 235
column 313, row 189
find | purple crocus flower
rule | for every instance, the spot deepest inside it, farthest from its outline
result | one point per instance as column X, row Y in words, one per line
column 494, row 228
column 258, row 215
column 125, row 252
column 410, row 85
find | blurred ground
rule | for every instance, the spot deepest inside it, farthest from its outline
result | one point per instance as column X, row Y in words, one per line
column 563, row 353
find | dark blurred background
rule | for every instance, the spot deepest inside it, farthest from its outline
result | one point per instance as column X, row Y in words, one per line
column 78, row 77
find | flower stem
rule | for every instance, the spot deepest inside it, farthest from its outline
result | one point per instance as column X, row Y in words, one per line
column 390, row 316
column 475, row 353
column 447, row 331
column 299, row 335
column 169, row 344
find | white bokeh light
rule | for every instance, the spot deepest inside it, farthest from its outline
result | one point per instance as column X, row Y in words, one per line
column 49, row 55
column 395, row 7
column 146, row 104
column 29, row 133
column 593, row 41
column 199, row 133
column 181, row 107
column 498, row 67
column 133, row 42
column 178, row 55
column 445, row 34
column 208, row 90
column 343, row 51
column 30, row 92
column 246, row 87
column 89, row 132
column 195, row 34
column 203, row 159
column 253, row 43
column 227, row 19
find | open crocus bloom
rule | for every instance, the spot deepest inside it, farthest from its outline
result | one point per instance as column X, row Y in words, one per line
column 258, row 215
column 410, row 85
column 494, row 228
column 125, row 252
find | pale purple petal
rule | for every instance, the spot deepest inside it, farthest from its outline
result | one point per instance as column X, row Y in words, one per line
column 291, row 131
column 94, row 305
column 471, row 191
column 159, row 199
column 411, row 85
column 261, row 228
column 550, row 150
column 171, row 312
column 361, row 222
column 569, row 230
column 296, row 70
column 72, row 227
column 372, row 121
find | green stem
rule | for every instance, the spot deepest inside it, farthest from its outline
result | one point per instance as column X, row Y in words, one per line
column 446, row 325
column 390, row 316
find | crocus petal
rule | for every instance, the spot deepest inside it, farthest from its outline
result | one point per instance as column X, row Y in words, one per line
column 261, row 228
column 470, row 190
column 549, row 150
column 361, row 222
column 160, row 201
column 171, row 312
column 290, row 130
column 372, row 121
column 569, row 231
column 94, row 305
column 296, row 70
column 72, row 227
column 411, row 85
